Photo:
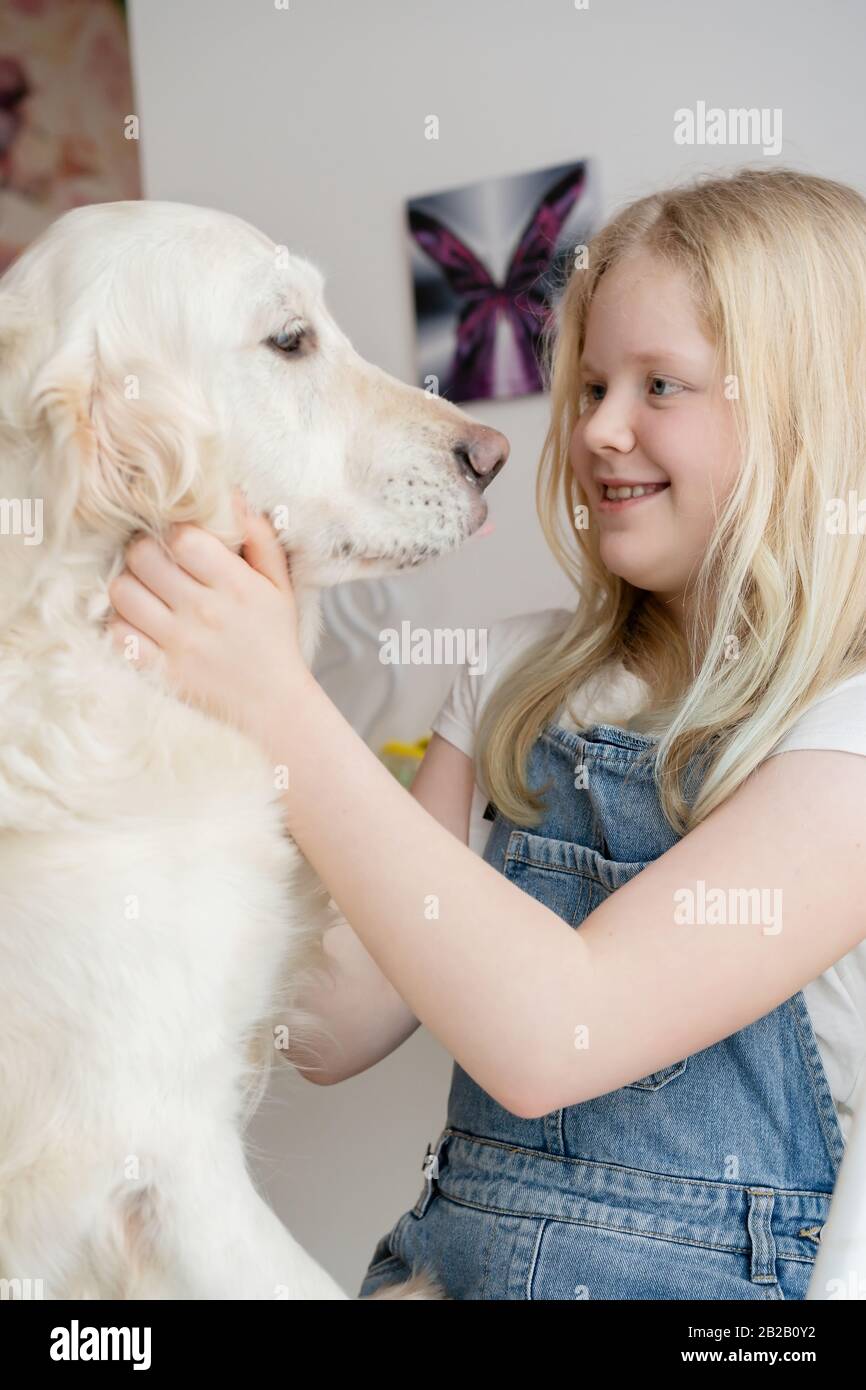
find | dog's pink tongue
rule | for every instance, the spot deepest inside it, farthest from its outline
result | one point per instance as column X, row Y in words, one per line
column 485, row 530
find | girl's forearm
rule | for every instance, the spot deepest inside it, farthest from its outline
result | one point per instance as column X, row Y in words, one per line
column 360, row 1016
column 477, row 960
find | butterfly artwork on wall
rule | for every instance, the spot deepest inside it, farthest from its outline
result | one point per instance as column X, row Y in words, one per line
column 488, row 262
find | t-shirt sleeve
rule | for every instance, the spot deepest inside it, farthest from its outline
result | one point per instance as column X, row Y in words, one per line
column 459, row 715
column 836, row 721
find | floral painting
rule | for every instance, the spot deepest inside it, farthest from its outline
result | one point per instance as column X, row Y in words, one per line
column 65, row 106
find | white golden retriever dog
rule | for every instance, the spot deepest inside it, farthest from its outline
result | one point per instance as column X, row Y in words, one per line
column 155, row 918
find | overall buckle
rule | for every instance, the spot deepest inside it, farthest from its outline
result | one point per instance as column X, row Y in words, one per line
column 430, row 1169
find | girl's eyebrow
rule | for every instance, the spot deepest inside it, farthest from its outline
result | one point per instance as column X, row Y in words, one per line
column 648, row 355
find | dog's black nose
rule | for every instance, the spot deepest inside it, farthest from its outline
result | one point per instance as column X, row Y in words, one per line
column 482, row 455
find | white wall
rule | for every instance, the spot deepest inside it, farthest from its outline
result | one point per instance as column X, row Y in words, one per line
column 310, row 123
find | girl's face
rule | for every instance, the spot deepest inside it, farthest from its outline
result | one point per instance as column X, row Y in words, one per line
column 655, row 414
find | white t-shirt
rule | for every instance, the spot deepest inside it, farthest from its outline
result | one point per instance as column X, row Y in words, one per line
column 837, row 999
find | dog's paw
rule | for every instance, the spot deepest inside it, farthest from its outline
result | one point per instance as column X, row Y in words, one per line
column 420, row 1286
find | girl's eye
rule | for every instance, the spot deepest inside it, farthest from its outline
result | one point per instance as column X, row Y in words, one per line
column 663, row 382
column 594, row 391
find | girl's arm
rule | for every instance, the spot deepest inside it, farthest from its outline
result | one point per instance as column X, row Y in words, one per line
column 499, row 979
column 505, row 984
column 362, row 1011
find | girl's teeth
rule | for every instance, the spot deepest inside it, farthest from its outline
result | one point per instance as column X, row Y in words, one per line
column 613, row 494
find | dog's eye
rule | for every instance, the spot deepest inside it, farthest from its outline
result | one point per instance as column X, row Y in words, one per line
column 290, row 338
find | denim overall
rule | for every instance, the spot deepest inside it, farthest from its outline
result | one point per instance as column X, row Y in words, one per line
column 709, row 1179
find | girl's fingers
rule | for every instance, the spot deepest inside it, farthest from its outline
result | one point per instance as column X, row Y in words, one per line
column 136, row 646
column 201, row 555
column 139, row 606
column 262, row 550
column 146, row 559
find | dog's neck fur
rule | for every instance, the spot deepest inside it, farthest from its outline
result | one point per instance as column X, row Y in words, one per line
column 62, row 596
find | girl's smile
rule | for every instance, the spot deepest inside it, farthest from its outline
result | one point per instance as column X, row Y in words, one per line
column 617, row 496
column 654, row 415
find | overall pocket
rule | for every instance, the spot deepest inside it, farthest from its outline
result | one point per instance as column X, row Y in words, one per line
column 572, row 881
column 385, row 1253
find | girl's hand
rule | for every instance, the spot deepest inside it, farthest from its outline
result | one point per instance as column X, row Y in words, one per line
column 222, row 627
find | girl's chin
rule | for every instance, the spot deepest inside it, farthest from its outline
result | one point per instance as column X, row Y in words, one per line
column 622, row 561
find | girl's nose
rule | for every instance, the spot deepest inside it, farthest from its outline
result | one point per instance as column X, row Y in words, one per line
column 609, row 426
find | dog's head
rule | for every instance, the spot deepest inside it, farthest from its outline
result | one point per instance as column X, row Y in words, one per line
column 153, row 356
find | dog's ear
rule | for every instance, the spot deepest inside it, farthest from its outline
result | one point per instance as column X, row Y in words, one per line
column 24, row 470
column 18, row 355
column 113, row 444
column 136, row 442
column 16, row 322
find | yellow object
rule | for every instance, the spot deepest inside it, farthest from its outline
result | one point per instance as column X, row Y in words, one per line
column 403, row 759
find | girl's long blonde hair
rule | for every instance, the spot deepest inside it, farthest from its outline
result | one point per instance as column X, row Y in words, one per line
column 777, row 611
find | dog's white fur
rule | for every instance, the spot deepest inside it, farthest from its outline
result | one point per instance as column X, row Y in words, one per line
column 155, row 919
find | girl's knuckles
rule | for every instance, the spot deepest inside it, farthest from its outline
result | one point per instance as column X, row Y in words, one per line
column 187, row 542
column 207, row 615
column 141, row 545
column 121, row 587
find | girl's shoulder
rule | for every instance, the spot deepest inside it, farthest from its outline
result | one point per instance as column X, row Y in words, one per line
column 503, row 643
column 509, row 637
column 836, row 721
